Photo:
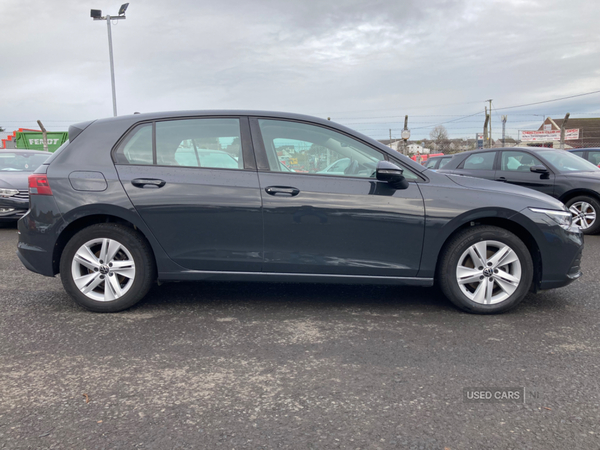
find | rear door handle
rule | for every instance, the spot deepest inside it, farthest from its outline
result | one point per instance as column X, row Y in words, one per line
column 282, row 190
column 143, row 182
column 500, row 179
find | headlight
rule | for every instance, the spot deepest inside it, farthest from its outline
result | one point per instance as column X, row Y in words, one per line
column 8, row 192
column 562, row 218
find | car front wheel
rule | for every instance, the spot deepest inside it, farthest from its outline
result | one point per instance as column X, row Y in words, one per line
column 485, row 270
column 107, row 267
column 585, row 212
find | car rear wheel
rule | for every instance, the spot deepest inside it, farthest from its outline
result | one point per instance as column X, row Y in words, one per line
column 107, row 267
column 485, row 270
column 585, row 212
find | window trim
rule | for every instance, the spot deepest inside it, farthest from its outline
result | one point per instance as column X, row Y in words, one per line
column 245, row 141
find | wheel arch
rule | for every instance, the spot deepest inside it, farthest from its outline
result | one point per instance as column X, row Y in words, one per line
column 577, row 193
column 510, row 225
column 83, row 217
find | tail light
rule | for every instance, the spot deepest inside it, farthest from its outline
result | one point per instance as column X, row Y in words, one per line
column 38, row 185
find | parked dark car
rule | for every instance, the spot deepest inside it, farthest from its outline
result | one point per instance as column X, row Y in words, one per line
column 437, row 162
column 558, row 173
column 120, row 209
column 15, row 167
column 589, row 154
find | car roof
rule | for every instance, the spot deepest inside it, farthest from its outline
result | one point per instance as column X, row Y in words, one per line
column 214, row 112
column 487, row 150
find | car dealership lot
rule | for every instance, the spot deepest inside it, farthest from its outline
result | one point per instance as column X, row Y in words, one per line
column 243, row 365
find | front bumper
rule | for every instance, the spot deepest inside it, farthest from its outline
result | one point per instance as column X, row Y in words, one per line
column 560, row 251
column 12, row 209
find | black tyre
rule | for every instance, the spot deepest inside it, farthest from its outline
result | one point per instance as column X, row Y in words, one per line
column 107, row 267
column 585, row 212
column 485, row 270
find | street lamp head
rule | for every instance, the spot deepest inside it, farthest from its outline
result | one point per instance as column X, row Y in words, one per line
column 96, row 13
column 123, row 8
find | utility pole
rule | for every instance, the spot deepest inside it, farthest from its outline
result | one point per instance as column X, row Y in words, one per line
column 44, row 135
column 405, row 134
column 485, row 127
column 504, row 130
column 563, row 128
column 390, row 146
column 491, row 138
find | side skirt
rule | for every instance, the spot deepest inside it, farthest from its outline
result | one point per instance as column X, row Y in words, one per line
column 193, row 275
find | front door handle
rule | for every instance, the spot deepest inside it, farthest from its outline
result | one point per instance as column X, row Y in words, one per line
column 500, row 179
column 143, row 182
column 282, row 190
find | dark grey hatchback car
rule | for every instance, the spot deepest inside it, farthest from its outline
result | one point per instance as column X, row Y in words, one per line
column 240, row 195
column 558, row 173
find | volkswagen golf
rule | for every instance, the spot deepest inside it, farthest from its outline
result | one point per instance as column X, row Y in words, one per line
column 245, row 195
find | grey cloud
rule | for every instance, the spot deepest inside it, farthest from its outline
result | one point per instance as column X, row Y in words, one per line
column 306, row 56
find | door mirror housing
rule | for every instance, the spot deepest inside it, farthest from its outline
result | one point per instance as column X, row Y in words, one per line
column 538, row 169
column 392, row 174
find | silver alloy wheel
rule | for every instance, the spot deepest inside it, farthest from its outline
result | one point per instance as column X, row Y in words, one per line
column 103, row 269
column 488, row 272
column 584, row 214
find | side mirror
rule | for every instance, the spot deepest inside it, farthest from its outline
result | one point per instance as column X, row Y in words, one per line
column 538, row 169
column 392, row 174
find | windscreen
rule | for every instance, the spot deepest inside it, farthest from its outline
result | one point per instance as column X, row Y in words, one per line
column 566, row 162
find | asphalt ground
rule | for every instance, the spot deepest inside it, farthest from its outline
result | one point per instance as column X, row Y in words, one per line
column 257, row 365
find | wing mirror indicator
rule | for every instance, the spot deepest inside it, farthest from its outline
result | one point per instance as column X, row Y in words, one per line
column 392, row 174
column 538, row 169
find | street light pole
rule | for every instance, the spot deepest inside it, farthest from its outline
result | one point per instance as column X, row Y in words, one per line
column 112, row 68
column 96, row 14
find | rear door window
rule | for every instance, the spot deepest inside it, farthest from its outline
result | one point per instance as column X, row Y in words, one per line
column 443, row 162
column 480, row 161
column 208, row 142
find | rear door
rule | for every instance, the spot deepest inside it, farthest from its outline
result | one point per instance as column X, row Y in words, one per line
column 515, row 169
column 342, row 222
column 480, row 165
column 194, row 182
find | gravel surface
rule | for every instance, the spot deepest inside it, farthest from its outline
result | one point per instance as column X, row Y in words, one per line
column 258, row 365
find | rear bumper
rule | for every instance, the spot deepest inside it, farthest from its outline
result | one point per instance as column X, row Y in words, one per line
column 38, row 234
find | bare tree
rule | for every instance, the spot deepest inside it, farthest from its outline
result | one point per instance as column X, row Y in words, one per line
column 439, row 136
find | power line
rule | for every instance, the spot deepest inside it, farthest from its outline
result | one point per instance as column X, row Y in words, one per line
column 549, row 101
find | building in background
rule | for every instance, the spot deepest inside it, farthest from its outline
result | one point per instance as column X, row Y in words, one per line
column 579, row 133
column 418, row 149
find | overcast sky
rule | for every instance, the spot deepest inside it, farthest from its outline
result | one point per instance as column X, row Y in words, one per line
column 363, row 63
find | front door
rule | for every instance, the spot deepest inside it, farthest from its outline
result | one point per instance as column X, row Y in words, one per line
column 196, row 187
column 479, row 165
column 515, row 169
column 321, row 217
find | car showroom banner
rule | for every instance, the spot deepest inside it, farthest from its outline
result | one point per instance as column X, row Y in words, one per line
column 550, row 135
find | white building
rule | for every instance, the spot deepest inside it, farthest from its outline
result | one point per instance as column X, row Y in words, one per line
column 418, row 149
